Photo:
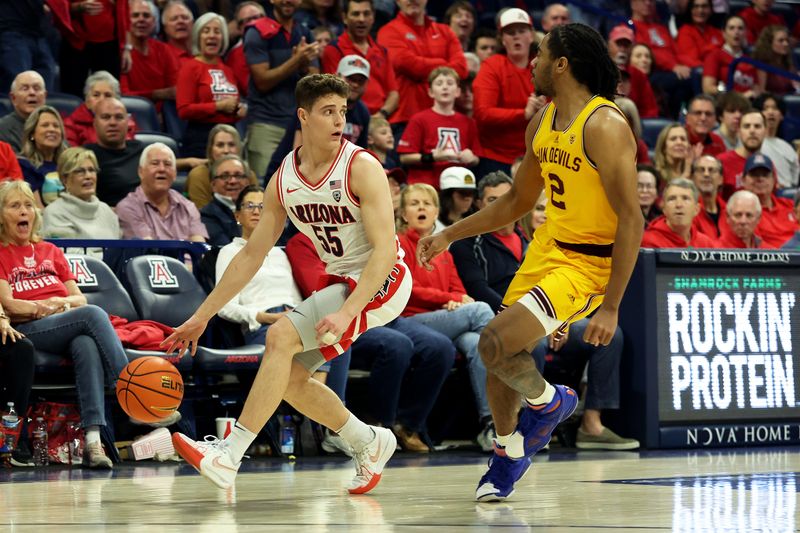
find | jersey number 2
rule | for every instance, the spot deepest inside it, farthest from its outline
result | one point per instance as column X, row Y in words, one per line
column 556, row 188
column 330, row 242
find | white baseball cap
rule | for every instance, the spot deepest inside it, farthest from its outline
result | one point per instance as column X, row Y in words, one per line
column 514, row 15
column 456, row 178
column 353, row 64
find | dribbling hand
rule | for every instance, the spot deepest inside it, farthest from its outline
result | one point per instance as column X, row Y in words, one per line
column 429, row 247
column 185, row 336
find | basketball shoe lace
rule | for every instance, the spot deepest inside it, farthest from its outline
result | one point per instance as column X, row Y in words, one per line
column 222, row 445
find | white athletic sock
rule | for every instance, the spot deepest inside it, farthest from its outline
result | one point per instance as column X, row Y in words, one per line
column 502, row 440
column 545, row 398
column 92, row 434
column 239, row 440
column 356, row 433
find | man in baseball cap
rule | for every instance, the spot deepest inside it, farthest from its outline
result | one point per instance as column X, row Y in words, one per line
column 513, row 15
column 778, row 223
column 354, row 69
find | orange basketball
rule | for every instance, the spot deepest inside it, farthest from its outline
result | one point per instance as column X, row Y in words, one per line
column 149, row 389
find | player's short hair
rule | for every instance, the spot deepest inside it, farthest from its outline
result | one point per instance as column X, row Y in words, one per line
column 315, row 86
column 443, row 71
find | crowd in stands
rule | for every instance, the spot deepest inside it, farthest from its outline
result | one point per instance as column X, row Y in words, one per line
column 441, row 97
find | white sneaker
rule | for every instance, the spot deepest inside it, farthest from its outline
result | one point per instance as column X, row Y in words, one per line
column 212, row 458
column 371, row 459
column 333, row 443
column 96, row 457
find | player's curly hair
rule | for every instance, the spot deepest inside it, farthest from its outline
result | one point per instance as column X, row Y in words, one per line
column 314, row 86
column 589, row 60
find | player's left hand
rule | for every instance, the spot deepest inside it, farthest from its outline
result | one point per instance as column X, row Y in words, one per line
column 601, row 327
column 335, row 324
column 185, row 336
column 429, row 247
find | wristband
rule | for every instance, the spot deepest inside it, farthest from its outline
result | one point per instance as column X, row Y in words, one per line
column 427, row 158
column 384, row 113
column 128, row 47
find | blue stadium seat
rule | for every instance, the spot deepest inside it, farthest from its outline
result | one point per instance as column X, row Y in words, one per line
column 5, row 106
column 792, row 102
column 63, row 102
column 651, row 127
column 172, row 124
column 143, row 111
column 150, row 137
column 157, row 284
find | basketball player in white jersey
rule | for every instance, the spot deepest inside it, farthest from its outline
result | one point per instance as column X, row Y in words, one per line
column 336, row 194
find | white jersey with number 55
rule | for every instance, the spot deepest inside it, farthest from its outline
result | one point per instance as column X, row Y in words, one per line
column 328, row 213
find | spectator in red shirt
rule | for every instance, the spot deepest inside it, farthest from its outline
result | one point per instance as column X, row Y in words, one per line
column 697, row 37
column 9, row 166
column 417, row 45
column 773, row 48
column 207, row 92
column 707, row 177
column 717, row 63
column 620, row 41
column 743, row 214
column 757, row 17
column 670, row 70
column 176, row 21
column 504, row 96
column 778, row 223
column 439, row 137
column 752, row 132
column 700, row 120
column 245, row 13
column 730, row 108
column 381, row 96
column 154, row 69
column 460, row 16
column 80, row 124
column 96, row 43
column 675, row 229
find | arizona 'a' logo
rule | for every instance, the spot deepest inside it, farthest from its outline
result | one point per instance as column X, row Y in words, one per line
column 220, row 86
column 85, row 277
column 449, row 139
column 160, row 275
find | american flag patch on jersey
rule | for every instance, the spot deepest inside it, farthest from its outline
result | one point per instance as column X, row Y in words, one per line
column 336, row 184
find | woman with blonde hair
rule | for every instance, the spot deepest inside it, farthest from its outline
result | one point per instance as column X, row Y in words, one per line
column 223, row 139
column 78, row 213
column 206, row 91
column 673, row 155
column 43, row 140
column 40, row 295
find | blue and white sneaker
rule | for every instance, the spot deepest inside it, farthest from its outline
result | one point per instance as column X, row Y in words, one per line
column 497, row 483
column 537, row 422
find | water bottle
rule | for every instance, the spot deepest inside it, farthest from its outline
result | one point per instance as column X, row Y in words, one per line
column 40, row 457
column 287, row 435
column 10, row 423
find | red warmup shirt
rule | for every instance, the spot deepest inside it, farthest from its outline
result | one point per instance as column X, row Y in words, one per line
column 642, row 153
column 415, row 51
column 641, row 93
column 657, row 37
column 717, row 64
column 659, row 235
column 199, row 86
column 180, row 54
column 778, row 224
column 730, row 240
column 693, row 43
column 755, row 23
column 307, row 268
column 712, row 143
column 112, row 23
column 80, row 127
column 382, row 80
column 500, row 92
column 9, row 166
column 428, row 130
column 431, row 288
column 732, row 170
column 156, row 70
column 238, row 64
column 706, row 225
column 35, row 271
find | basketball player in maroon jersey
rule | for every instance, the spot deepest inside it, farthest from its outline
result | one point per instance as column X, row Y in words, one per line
column 337, row 194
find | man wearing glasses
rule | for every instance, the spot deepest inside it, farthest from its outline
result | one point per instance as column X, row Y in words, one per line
column 700, row 120
column 707, row 177
column 229, row 175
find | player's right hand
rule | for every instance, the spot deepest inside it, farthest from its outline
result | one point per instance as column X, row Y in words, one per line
column 429, row 247
column 185, row 336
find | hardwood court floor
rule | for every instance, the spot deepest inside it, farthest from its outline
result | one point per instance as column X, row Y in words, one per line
column 731, row 490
